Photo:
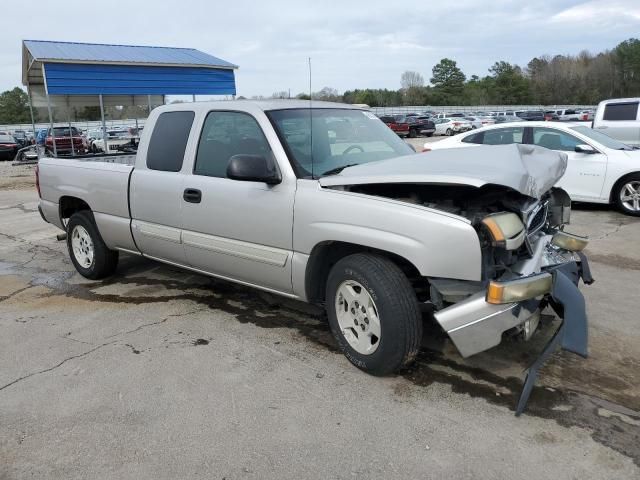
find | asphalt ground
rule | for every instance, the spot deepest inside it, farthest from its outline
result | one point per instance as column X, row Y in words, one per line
column 160, row 373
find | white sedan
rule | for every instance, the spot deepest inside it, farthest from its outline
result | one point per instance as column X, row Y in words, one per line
column 600, row 169
column 451, row 126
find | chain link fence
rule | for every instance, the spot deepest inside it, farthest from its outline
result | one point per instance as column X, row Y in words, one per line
column 403, row 110
column 82, row 125
column 398, row 110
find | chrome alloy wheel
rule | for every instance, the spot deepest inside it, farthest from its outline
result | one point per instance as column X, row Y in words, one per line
column 357, row 316
column 82, row 246
column 630, row 196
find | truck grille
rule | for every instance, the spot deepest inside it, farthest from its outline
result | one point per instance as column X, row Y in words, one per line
column 536, row 218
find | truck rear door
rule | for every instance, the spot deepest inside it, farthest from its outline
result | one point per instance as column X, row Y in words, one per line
column 156, row 188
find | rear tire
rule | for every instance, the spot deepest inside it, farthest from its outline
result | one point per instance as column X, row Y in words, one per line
column 626, row 195
column 413, row 133
column 430, row 134
column 373, row 313
column 88, row 252
column 449, row 132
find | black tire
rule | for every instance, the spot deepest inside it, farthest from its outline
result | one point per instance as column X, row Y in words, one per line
column 619, row 189
column 104, row 261
column 449, row 132
column 413, row 133
column 397, row 308
column 430, row 134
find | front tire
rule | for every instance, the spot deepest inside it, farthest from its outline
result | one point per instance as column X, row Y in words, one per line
column 413, row 133
column 626, row 195
column 373, row 313
column 88, row 252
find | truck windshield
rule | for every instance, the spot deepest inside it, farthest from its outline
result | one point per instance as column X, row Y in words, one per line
column 320, row 140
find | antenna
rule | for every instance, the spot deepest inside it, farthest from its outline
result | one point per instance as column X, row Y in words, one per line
column 310, row 122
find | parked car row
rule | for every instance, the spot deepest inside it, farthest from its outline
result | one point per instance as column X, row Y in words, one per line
column 451, row 123
column 409, row 125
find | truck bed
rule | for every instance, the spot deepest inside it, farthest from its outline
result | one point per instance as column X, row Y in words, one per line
column 101, row 181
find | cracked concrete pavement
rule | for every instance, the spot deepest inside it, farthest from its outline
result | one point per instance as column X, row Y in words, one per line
column 159, row 373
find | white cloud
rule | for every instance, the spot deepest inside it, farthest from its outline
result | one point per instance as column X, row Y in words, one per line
column 599, row 11
column 354, row 44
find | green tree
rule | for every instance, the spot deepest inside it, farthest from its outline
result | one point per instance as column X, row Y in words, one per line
column 14, row 106
column 90, row 113
column 627, row 59
column 448, row 80
column 510, row 87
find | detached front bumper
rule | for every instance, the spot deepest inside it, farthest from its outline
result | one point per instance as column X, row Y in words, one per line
column 475, row 325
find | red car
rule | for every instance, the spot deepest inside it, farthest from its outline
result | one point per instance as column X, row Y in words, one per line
column 401, row 128
column 64, row 139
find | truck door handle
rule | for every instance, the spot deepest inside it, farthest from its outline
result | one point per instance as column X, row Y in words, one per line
column 192, row 195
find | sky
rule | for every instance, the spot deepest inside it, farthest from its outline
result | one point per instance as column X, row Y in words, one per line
column 352, row 43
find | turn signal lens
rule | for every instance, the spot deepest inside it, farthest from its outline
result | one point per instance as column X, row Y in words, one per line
column 520, row 289
column 506, row 230
column 569, row 241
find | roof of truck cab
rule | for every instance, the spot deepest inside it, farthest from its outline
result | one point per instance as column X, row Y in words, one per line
column 264, row 105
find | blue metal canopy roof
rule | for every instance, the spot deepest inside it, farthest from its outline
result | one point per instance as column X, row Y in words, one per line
column 71, row 52
column 66, row 68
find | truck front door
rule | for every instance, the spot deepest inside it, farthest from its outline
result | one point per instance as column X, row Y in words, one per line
column 239, row 230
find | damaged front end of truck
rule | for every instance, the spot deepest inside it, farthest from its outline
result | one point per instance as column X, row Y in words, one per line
column 529, row 261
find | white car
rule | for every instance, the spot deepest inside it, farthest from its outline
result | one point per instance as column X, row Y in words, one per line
column 479, row 122
column 600, row 169
column 115, row 139
column 619, row 118
column 451, row 126
column 568, row 115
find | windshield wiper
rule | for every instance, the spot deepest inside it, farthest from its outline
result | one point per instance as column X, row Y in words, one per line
column 335, row 171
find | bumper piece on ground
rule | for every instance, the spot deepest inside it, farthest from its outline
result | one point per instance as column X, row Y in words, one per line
column 572, row 335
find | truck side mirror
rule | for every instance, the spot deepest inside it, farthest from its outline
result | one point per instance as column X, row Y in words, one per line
column 253, row 168
column 585, row 149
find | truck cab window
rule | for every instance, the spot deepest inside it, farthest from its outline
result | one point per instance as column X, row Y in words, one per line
column 621, row 111
column 169, row 141
column 224, row 135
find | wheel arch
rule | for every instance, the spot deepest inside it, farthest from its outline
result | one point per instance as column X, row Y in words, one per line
column 68, row 205
column 326, row 254
column 618, row 182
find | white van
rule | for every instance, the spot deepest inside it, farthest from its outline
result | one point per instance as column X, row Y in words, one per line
column 619, row 118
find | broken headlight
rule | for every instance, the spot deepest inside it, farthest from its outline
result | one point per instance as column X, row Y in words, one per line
column 505, row 229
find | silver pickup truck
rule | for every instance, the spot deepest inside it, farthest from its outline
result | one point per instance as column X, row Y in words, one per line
column 323, row 203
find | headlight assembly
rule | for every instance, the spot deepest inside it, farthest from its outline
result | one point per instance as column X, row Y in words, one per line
column 506, row 230
column 568, row 241
column 520, row 289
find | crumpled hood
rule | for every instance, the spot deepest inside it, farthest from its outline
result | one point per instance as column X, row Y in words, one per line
column 527, row 169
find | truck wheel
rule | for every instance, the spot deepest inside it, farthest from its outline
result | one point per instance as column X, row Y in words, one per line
column 626, row 195
column 87, row 250
column 413, row 133
column 373, row 313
